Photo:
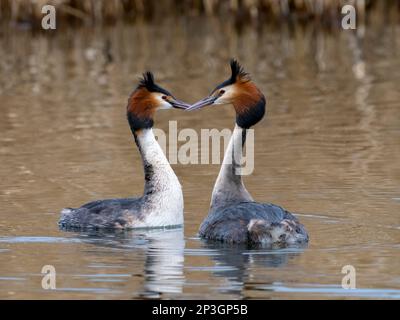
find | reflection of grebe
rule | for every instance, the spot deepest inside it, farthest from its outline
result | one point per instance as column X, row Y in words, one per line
column 163, row 270
column 163, row 250
column 239, row 264
column 162, row 201
column 234, row 216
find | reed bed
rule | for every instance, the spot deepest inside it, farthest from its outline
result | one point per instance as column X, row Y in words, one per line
column 96, row 12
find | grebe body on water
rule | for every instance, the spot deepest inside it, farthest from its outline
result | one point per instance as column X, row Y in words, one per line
column 234, row 217
column 161, row 204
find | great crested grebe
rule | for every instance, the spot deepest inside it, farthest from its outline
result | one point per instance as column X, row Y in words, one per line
column 162, row 202
column 234, row 216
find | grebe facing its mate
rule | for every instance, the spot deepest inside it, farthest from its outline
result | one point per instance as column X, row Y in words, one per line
column 234, row 216
column 162, row 201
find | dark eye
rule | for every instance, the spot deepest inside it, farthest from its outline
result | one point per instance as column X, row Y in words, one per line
column 164, row 97
column 221, row 92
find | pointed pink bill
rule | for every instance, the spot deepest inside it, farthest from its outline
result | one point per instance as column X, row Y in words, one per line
column 178, row 104
column 202, row 103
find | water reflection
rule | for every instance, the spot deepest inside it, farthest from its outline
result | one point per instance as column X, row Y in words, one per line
column 163, row 250
column 328, row 148
column 238, row 263
column 164, row 264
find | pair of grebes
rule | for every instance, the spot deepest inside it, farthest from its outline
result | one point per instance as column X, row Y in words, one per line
column 234, row 217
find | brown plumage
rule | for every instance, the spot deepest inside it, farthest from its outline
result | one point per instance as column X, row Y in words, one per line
column 246, row 95
column 234, row 217
column 162, row 201
column 145, row 100
column 142, row 103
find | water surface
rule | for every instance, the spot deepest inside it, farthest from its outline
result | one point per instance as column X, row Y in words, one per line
column 328, row 150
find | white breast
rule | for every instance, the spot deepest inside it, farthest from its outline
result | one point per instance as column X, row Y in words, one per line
column 164, row 207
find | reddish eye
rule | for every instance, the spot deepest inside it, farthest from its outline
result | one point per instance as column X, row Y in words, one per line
column 164, row 97
column 221, row 91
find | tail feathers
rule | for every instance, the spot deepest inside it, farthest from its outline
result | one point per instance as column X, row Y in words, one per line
column 283, row 232
column 67, row 210
column 67, row 215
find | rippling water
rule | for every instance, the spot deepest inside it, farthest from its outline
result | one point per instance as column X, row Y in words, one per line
column 328, row 150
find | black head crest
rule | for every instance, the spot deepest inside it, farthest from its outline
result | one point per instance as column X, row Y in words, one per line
column 147, row 81
column 238, row 72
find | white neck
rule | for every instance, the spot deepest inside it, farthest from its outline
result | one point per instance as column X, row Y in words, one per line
column 162, row 191
column 229, row 186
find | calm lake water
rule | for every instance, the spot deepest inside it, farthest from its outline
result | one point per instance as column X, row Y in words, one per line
column 328, row 150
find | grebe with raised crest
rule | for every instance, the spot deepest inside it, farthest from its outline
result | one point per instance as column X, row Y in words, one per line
column 234, row 217
column 161, row 204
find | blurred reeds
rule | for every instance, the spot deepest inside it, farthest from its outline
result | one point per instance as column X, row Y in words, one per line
column 94, row 12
